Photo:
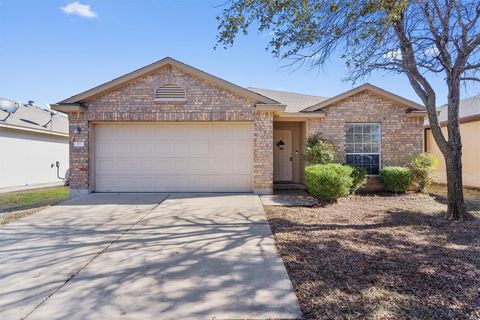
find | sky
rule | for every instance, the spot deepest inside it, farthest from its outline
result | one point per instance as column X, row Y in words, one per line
column 53, row 49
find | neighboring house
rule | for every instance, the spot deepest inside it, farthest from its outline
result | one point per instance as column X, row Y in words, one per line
column 32, row 141
column 469, row 114
column 171, row 127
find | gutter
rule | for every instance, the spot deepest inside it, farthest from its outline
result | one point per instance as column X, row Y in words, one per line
column 279, row 111
column 417, row 113
column 467, row 119
column 67, row 107
column 20, row 128
column 275, row 108
column 308, row 115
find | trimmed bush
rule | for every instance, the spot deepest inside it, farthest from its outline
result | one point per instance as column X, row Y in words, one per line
column 422, row 169
column 359, row 176
column 396, row 179
column 318, row 151
column 329, row 181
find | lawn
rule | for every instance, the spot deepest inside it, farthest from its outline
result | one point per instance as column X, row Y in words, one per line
column 441, row 190
column 14, row 205
column 381, row 257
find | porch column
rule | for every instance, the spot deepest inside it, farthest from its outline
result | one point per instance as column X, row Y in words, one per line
column 263, row 153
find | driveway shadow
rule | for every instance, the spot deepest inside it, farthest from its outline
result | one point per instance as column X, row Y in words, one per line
column 174, row 261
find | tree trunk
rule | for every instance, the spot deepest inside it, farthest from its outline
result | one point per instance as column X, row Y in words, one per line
column 453, row 153
column 455, row 202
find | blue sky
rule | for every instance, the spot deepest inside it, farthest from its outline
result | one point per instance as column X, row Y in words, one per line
column 48, row 53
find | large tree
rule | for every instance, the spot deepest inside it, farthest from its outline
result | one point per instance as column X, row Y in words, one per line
column 421, row 39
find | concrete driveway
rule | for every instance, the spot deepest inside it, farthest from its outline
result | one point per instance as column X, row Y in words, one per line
column 145, row 256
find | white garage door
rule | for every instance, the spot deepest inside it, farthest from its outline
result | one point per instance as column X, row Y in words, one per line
column 173, row 158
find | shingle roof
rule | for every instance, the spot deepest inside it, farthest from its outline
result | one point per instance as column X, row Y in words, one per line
column 295, row 102
column 34, row 117
column 468, row 107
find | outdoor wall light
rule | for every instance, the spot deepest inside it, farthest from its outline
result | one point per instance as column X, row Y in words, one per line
column 280, row 145
column 77, row 130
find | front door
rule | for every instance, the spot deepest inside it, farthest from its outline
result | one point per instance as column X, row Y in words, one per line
column 282, row 155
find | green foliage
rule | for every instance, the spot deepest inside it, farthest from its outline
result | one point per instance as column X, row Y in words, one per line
column 422, row 169
column 318, row 151
column 396, row 179
column 329, row 181
column 373, row 35
column 312, row 29
column 359, row 176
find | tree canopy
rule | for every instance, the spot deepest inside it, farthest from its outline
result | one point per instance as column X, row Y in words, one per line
column 417, row 38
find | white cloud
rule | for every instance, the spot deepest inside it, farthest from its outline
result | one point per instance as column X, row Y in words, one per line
column 313, row 57
column 393, row 55
column 433, row 51
column 268, row 34
column 79, row 9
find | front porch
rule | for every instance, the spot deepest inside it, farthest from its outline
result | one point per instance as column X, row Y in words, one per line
column 288, row 164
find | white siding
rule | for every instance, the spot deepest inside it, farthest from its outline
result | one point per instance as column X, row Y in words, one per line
column 26, row 158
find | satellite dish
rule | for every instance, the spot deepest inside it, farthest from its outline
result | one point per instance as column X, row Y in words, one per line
column 8, row 106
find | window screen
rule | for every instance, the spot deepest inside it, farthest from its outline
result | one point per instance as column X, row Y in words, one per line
column 363, row 146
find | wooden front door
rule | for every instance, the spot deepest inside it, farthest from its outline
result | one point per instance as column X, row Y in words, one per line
column 282, row 155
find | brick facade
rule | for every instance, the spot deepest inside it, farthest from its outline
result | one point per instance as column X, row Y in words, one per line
column 402, row 137
column 206, row 102
column 263, row 153
column 135, row 102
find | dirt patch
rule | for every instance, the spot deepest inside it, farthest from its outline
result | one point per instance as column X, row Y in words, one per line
column 8, row 217
column 380, row 257
column 19, row 204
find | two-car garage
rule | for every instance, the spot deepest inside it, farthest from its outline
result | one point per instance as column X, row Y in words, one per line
column 173, row 157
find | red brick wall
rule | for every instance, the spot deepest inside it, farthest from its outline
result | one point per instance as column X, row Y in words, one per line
column 402, row 136
column 205, row 102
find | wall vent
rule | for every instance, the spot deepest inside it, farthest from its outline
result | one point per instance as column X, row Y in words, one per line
column 170, row 92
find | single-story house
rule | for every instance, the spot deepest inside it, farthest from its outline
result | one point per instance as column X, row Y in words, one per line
column 171, row 127
column 469, row 114
column 32, row 141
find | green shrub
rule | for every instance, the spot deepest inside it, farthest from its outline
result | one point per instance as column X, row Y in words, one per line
column 396, row 179
column 329, row 181
column 359, row 176
column 318, row 151
column 422, row 169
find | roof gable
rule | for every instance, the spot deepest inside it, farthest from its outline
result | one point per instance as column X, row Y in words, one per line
column 366, row 87
column 127, row 78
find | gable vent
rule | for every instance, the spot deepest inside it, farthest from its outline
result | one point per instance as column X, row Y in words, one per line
column 170, row 92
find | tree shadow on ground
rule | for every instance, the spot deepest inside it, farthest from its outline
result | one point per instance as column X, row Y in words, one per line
column 409, row 265
column 169, row 263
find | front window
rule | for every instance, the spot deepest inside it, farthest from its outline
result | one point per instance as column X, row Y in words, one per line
column 363, row 146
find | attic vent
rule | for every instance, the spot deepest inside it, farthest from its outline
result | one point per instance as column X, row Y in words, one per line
column 170, row 92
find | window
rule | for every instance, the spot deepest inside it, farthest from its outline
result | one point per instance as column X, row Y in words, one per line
column 363, row 146
column 170, row 92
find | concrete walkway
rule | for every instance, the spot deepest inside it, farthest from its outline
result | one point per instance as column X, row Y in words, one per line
column 145, row 256
column 289, row 198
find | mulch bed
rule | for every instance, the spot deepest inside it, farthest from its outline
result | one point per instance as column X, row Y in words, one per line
column 380, row 257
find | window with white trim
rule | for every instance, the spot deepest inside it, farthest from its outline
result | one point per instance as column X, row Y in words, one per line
column 170, row 92
column 363, row 146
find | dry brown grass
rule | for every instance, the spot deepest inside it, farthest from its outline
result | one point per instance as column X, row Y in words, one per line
column 380, row 257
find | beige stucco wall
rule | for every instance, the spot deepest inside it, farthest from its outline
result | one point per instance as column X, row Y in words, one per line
column 297, row 143
column 470, row 133
column 134, row 101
